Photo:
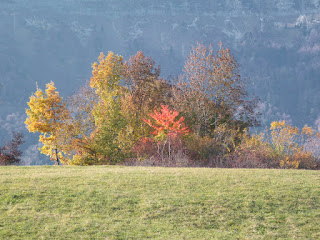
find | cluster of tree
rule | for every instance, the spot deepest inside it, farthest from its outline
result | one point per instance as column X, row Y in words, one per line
column 280, row 146
column 10, row 154
column 128, row 114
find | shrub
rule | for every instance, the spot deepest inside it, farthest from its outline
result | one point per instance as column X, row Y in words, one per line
column 204, row 151
column 10, row 153
column 305, row 159
column 252, row 152
column 144, row 148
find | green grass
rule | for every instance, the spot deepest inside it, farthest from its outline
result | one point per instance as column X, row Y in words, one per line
column 101, row 202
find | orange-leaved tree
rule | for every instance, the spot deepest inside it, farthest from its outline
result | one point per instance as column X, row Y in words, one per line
column 167, row 129
column 47, row 114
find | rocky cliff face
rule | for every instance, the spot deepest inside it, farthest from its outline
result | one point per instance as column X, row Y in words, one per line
column 277, row 43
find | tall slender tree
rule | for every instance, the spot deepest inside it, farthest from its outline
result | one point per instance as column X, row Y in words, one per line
column 47, row 114
column 109, row 119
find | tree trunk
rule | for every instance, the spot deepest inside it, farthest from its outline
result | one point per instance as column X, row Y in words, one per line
column 169, row 148
column 57, row 158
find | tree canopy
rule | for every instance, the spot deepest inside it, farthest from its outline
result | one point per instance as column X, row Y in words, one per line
column 128, row 113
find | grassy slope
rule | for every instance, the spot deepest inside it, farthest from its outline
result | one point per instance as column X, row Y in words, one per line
column 165, row 203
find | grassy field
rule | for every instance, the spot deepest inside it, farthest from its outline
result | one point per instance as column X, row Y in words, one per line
column 52, row 202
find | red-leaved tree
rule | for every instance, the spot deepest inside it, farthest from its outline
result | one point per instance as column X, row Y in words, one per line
column 168, row 131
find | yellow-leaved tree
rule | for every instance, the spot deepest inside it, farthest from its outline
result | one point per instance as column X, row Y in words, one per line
column 47, row 114
column 109, row 119
column 291, row 145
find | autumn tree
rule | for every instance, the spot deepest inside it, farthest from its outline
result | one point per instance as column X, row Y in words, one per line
column 109, row 120
column 167, row 129
column 290, row 145
column 146, row 90
column 211, row 91
column 146, row 87
column 47, row 114
column 284, row 137
column 82, row 134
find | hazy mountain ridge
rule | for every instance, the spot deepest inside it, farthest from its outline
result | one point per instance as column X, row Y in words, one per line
column 276, row 42
column 205, row 7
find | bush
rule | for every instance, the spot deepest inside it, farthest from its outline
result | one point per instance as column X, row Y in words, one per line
column 145, row 148
column 150, row 152
column 306, row 160
column 10, row 153
column 253, row 152
column 204, row 151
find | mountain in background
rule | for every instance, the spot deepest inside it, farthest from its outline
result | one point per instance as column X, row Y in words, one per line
column 277, row 43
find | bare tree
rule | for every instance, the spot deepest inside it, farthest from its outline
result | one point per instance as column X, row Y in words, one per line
column 10, row 153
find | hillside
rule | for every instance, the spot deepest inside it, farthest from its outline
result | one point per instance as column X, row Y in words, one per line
column 276, row 43
column 159, row 203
